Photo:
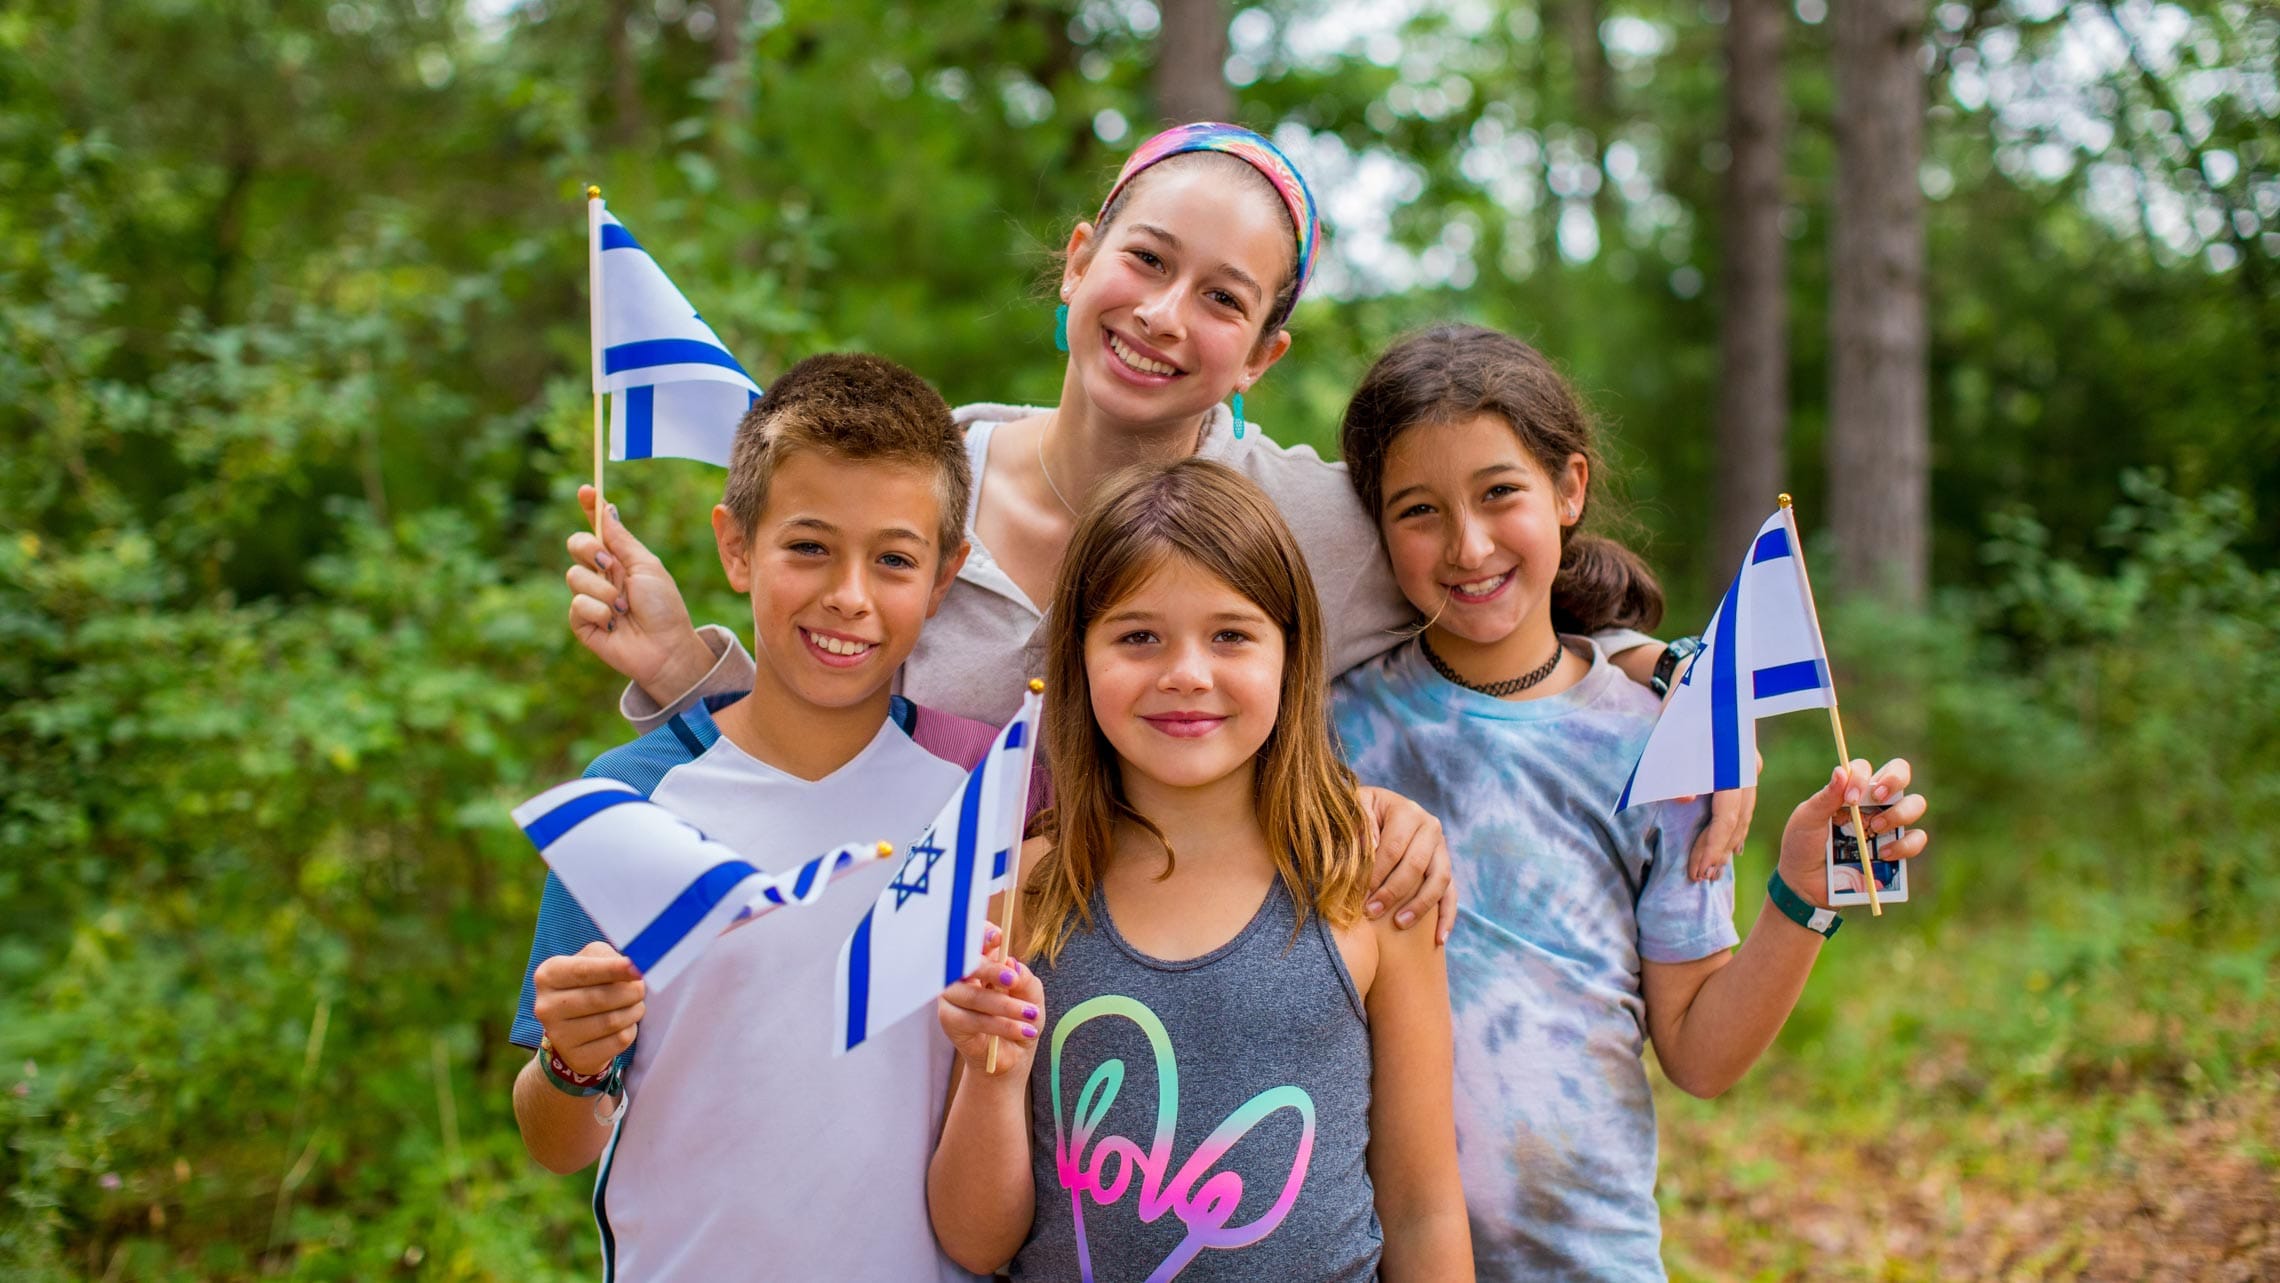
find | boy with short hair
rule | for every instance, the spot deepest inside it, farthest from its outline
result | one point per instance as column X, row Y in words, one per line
column 744, row 1147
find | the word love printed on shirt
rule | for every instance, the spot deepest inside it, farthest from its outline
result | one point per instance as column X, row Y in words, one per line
column 1204, row 1200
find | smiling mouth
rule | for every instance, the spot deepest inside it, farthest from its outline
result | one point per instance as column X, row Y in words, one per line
column 839, row 652
column 1185, row 725
column 1134, row 361
column 1474, row 591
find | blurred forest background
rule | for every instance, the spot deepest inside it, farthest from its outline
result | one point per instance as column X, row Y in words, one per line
column 293, row 390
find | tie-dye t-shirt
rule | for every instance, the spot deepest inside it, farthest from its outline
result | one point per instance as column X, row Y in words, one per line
column 1561, row 900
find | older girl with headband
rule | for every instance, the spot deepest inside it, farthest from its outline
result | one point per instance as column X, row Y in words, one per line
column 1174, row 299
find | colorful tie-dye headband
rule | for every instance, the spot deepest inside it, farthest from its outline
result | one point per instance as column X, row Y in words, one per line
column 1252, row 150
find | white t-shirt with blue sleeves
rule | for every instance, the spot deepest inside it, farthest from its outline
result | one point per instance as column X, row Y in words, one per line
column 1561, row 900
column 747, row 1149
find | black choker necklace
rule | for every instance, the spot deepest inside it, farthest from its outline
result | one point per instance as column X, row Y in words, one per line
column 1496, row 690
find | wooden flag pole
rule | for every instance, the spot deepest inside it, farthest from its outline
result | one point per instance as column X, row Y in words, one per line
column 594, row 288
column 1836, row 723
column 1012, row 888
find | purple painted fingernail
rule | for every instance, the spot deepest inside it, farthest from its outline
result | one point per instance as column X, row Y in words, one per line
column 1374, row 908
column 1005, row 977
column 602, row 561
column 1028, row 1032
column 1029, row 1013
column 621, row 606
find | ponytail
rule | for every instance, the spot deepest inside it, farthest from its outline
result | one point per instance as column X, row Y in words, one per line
column 1603, row 585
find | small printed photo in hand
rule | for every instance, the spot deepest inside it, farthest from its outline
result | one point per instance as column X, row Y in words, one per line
column 1846, row 886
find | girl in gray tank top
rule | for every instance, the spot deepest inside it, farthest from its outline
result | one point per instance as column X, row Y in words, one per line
column 1239, row 1077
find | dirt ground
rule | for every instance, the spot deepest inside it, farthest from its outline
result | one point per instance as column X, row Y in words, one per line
column 2190, row 1194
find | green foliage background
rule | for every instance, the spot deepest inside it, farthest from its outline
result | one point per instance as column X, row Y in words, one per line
column 292, row 387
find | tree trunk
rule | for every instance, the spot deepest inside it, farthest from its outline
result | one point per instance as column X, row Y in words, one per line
column 730, row 62
column 1879, row 444
column 1191, row 62
column 625, row 75
column 1753, row 386
column 1594, row 107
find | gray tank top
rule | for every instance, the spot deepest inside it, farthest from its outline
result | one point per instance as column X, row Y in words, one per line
column 1204, row 1119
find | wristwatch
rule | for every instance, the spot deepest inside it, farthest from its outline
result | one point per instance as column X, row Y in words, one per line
column 1819, row 921
column 1667, row 667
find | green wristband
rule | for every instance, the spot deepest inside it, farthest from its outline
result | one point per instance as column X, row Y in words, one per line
column 1821, row 922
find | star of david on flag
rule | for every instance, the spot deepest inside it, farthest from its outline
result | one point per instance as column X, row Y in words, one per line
column 1761, row 656
column 924, row 932
column 674, row 387
column 659, row 889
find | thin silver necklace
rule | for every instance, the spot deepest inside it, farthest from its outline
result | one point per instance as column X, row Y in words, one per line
column 1049, row 475
column 1498, row 690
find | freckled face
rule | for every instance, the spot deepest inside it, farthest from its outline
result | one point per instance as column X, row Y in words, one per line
column 842, row 569
column 1166, row 307
column 1186, row 676
column 1472, row 526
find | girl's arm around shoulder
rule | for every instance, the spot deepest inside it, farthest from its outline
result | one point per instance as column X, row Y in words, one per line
column 1404, row 981
column 979, row 1192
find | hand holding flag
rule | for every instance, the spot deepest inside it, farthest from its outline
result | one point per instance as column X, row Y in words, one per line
column 999, row 1008
column 1803, row 861
column 625, row 607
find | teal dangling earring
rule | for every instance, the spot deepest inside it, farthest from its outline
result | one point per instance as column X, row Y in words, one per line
column 1238, row 416
column 1061, row 327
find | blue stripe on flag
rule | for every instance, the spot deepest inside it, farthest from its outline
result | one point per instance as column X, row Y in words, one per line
column 807, row 876
column 1016, row 735
column 614, row 236
column 641, row 422
column 1725, row 697
column 997, row 866
column 685, row 912
column 859, row 981
column 962, row 883
column 1788, row 679
column 646, row 353
column 544, row 831
column 1771, row 544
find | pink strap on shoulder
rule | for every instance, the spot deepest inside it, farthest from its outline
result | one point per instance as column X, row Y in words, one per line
column 963, row 742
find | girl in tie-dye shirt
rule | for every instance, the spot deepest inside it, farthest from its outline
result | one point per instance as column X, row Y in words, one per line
column 1581, row 933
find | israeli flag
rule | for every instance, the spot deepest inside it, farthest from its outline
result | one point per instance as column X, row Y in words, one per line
column 1762, row 656
column 659, row 889
column 674, row 388
column 924, row 932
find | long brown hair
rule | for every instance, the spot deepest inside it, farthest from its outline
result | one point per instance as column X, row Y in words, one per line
column 1451, row 373
column 1307, row 800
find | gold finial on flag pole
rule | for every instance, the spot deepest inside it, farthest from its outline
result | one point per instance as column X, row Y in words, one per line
column 1036, row 686
column 886, row 850
column 593, row 192
column 1836, row 723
